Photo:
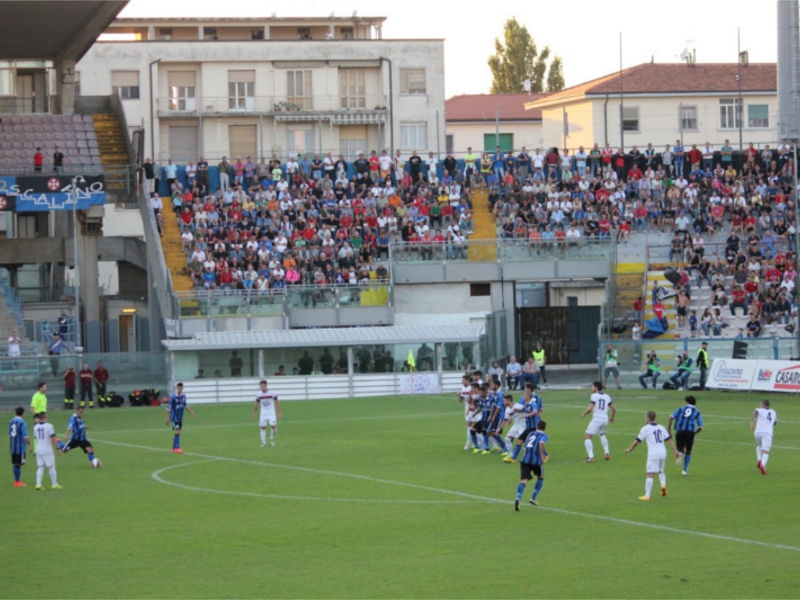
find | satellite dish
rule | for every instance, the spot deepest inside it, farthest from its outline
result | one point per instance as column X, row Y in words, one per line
column 684, row 55
column 527, row 85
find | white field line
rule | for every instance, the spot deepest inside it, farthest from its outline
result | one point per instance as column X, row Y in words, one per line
column 472, row 497
column 576, row 407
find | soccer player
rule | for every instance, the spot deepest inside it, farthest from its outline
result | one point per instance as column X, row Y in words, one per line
column 483, row 403
column 655, row 435
column 38, row 405
column 45, row 457
column 532, row 461
column 599, row 404
column 531, row 408
column 18, row 434
column 463, row 396
column 76, row 435
column 175, row 407
column 270, row 413
column 497, row 416
column 688, row 422
column 763, row 422
column 514, row 415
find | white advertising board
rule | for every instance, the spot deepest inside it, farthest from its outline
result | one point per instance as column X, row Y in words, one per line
column 424, row 383
column 731, row 374
column 777, row 376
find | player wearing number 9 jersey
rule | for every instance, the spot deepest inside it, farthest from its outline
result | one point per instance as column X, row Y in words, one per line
column 688, row 423
column 655, row 436
column 763, row 423
column 599, row 405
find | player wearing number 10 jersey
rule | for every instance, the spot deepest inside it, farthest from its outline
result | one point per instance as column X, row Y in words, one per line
column 655, row 436
column 599, row 405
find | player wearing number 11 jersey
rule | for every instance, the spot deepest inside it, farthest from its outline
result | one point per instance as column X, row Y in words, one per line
column 655, row 436
column 599, row 405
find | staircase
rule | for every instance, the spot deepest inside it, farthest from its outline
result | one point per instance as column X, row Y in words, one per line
column 485, row 228
column 629, row 285
column 114, row 154
column 174, row 256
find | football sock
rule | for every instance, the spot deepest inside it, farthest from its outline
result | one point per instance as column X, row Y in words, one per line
column 509, row 441
column 91, row 456
column 589, row 448
column 662, row 477
column 687, row 458
column 474, row 437
column 764, row 458
column 17, row 473
column 516, row 452
column 604, row 441
column 60, row 444
column 263, row 436
column 758, row 452
column 272, row 434
column 520, row 490
column 469, row 436
column 53, row 478
column 502, row 444
column 486, row 441
column 39, row 475
column 648, row 486
column 176, row 441
column 537, row 488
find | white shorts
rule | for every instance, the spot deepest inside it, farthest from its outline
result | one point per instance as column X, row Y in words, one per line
column 46, row 460
column 466, row 411
column 268, row 420
column 656, row 465
column 597, row 427
column 516, row 431
column 764, row 441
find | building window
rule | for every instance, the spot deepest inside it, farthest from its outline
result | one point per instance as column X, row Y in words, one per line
column 165, row 33
column 353, row 88
column 630, row 118
column 125, row 84
column 758, row 115
column 412, row 81
column 480, row 289
column 351, row 148
column 209, row 33
column 257, row 34
column 300, row 139
column 242, row 90
column 299, row 92
column 303, row 33
column 346, row 33
column 448, row 142
column 688, row 118
column 414, row 135
column 730, row 113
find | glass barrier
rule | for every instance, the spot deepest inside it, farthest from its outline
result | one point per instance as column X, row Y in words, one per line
column 502, row 250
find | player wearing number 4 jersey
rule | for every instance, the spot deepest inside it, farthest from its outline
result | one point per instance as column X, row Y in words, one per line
column 688, row 423
column 599, row 405
column 655, row 436
column 763, row 423
column 45, row 456
column 270, row 413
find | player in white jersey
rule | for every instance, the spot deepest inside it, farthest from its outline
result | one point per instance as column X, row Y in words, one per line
column 763, row 422
column 45, row 435
column 463, row 397
column 655, row 436
column 599, row 405
column 270, row 413
column 515, row 414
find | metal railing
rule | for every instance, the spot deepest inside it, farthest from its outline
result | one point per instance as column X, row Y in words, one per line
column 501, row 250
column 286, row 106
column 12, row 303
column 15, row 105
column 159, row 275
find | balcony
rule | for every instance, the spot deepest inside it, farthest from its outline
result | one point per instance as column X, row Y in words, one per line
column 360, row 110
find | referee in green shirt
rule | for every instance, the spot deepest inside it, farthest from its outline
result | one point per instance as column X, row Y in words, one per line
column 39, row 405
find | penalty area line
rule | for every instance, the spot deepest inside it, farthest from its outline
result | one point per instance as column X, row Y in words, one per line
column 572, row 513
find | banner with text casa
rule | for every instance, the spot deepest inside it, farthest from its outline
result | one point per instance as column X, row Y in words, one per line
column 732, row 374
column 57, row 193
column 777, row 376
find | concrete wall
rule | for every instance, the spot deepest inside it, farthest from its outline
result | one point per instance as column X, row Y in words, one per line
column 439, row 304
column 592, row 296
column 591, row 121
column 467, row 135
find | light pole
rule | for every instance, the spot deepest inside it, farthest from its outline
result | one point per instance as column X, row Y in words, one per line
column 78, row 336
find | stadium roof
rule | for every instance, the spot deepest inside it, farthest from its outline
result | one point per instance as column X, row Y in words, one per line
column 484, row 107
column 319, row 338
column 51, row 30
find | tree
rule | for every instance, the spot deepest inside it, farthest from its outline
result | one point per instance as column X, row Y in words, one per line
column 517, row 58
column 555, row 76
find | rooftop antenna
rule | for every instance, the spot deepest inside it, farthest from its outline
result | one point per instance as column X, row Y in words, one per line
column 355, row 13
column 526, row 85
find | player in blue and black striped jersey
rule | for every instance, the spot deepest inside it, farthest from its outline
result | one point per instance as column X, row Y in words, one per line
column 20, row 442
column 688, row 422
column 497, row 416
column 76, row 436
column 533, row 463
column 175, row 406
column 531, row 407
column 483, row 403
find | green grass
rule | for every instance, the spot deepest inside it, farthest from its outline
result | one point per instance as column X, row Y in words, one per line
column 376, row 498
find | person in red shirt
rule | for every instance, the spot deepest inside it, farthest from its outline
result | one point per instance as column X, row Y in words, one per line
column 695, row 157
column 635, row 173
column 346, row 222
column 186, row 218
column 738, row 299
column 86, row 377
column 69, row 387
column 624, row 231
column 226, row 278
column 38, row 160
column 374, row 166
column 447, row 213
column 100, row 379
column 559, row 237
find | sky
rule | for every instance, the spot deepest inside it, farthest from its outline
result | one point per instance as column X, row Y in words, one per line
column 585, row 33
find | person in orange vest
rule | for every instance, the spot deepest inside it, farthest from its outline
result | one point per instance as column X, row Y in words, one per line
column 86, row 377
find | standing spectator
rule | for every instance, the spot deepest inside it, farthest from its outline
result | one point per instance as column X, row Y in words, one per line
column 236, row 364
column 86, row 377
column 611, row 366
column 100, row 379
column 224, row 168
column 513, row 372
column 150, row 176
column 170, row 173
column 539, row 356
column 69, row 387
column 38, row 160
column 702, row 364
column 638, row 308
column 55, row 349
column 191, row 174
column 202, row 174
column 14, row 351
column 58, row 161
column 63, row 325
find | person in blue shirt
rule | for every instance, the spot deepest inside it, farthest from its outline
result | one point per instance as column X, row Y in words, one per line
column 498, row 164
column 531, row 408
column 688, row 422
column 678, row 158
column 497, row 417
column 76, row 436
column 533, row 463
column 20, row 442
column 483, row 403
column 175, row 407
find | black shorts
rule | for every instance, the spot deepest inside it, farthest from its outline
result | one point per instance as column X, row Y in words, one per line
column 526, row 433
column 681, row 311
column 479, row 427
column 684, row 440
column 525, row 471
column 177, row 425
column 18, row 459
column 82, row 444
column 495, row 426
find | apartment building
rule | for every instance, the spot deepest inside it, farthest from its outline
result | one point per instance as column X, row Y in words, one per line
column 270, row 86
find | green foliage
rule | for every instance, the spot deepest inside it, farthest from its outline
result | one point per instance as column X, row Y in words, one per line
column 555, row 77
column 374, row 497
column 517, row 58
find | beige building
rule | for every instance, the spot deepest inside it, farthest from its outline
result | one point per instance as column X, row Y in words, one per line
column 258, row 87
column 662, row 103
column 484, row 121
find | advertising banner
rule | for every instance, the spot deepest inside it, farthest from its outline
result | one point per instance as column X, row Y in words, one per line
column 731, row 374
column 424, row 383
column 777, row 376
column 43, row 193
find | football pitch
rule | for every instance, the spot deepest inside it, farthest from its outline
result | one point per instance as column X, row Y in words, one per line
column 376, row 498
